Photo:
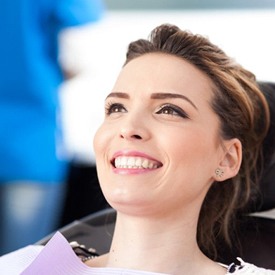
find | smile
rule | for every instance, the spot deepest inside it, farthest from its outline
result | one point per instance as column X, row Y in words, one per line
column 128, row 162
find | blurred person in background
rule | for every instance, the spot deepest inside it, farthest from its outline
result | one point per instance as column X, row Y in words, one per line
column 33, row 163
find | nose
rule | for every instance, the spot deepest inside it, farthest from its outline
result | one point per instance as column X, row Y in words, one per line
column 134, row 130
column 126, row 135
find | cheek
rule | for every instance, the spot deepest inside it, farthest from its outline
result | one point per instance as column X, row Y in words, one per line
column 100, row 141
column 184, row 147
column 191, row 168
column 193, row 150
column 100, row 144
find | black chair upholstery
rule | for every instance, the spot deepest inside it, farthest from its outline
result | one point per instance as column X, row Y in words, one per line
column 257, row 238
column 268, row 179
column 94, row 231
column 256, row 234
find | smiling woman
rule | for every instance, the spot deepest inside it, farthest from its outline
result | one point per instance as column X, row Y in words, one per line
column 164, row 121
column 198, row 118
column 177, row 157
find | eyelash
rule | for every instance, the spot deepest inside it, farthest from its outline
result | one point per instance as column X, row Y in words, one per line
column 111, row 108
column 176, row 111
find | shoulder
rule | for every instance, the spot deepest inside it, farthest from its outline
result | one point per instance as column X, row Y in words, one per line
column 247, row 268
column 15, row 262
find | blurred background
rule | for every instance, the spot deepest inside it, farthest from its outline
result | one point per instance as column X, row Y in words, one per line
column 244, row 29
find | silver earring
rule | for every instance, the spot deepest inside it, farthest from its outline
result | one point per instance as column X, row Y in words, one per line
column 219, row 172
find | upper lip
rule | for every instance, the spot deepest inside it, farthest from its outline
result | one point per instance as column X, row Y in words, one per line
column 132, row 153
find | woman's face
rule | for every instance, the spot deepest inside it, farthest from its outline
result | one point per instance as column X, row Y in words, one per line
column 159, row 145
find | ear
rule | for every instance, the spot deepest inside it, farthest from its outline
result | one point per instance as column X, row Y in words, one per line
column 230, row 163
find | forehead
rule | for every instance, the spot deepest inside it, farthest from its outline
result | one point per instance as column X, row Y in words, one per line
column 155, row 72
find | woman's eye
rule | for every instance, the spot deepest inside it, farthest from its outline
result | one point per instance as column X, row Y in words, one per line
column 172, row 110
column 114, row 108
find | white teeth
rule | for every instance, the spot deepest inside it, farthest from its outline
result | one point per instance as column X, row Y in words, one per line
column 135, row 163
column 131, row 162
column 145, row 163
column 138, row 162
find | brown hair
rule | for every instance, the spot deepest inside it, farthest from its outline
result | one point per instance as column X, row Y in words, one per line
column 243, row 113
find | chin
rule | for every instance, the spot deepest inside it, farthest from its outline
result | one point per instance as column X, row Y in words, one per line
column 127, row 204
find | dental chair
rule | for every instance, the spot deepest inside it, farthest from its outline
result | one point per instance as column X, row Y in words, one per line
column 256, row 232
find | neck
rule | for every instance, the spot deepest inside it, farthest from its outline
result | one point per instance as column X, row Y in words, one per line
column 166, row 245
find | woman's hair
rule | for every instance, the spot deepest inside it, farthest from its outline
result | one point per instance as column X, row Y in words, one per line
column 243, row 114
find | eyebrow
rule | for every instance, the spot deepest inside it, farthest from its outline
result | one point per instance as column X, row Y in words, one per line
column 119, row 95
column 155, row 96
column 172, row 95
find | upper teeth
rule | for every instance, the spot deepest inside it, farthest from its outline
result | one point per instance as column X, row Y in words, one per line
column 135, row 162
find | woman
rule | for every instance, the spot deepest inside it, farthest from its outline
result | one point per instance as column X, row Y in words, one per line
column 176, row 157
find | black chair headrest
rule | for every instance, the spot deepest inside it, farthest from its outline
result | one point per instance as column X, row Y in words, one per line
column 267, row 184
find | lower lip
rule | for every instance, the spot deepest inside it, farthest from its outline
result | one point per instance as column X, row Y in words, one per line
column 125, row 171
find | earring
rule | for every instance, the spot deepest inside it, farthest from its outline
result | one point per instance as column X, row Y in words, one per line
column 219, row 172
